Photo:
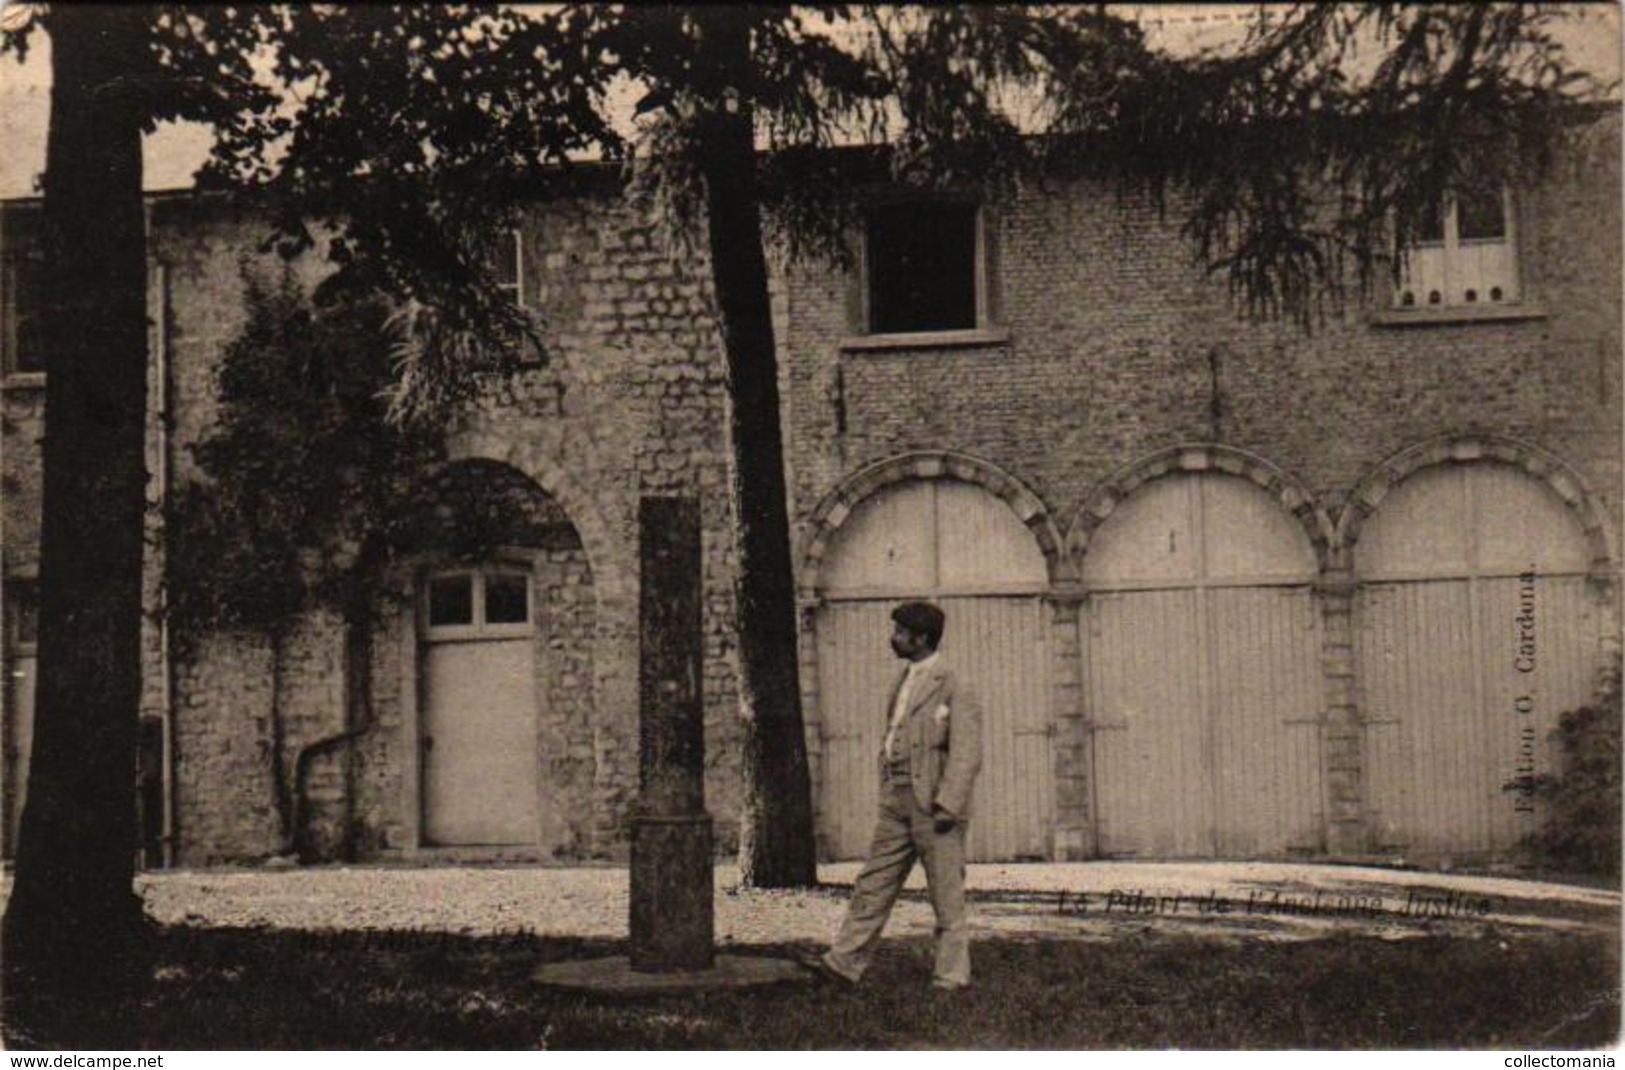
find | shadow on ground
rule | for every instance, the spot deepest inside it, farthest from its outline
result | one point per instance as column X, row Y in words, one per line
column 264, row 988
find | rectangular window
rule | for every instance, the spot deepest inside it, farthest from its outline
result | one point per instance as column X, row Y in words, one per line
column 924, row 267
column 508, row 267
column 1465, row 255
column 487, row 602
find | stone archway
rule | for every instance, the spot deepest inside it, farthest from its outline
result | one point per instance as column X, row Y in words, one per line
column 968, row 536
column 504, row 611
column 1293, row 497
column 1538, row 463
column 1479, row 619
column 1202, row 649
column 836, row 507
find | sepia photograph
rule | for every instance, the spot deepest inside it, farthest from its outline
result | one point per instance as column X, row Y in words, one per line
column 1068, row 527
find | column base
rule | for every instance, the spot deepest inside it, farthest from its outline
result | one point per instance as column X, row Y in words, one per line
column 673, row 926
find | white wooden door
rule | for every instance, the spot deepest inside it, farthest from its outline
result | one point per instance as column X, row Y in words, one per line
column 1202, row 683
column 1153, row 790
column 480, row 762
column 1001, row 647
column 961, row 547
column 1459, row 566
column 856, row 670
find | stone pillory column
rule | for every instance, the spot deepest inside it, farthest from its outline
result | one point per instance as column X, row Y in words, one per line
column 672, row 925
column 672, row 922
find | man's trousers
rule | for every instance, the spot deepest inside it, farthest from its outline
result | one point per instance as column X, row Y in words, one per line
column 903, row 833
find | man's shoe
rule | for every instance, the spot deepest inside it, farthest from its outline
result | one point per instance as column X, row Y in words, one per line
column 820, row 967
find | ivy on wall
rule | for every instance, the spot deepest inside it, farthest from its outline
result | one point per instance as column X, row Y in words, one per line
column 308, row 488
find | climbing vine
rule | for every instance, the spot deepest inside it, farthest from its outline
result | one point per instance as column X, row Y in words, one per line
column 310, row 489
column 307, row 488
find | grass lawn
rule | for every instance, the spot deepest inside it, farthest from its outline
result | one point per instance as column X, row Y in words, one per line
column 246, row 988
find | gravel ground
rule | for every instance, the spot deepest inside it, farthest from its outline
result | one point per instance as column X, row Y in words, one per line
column 1096, row 900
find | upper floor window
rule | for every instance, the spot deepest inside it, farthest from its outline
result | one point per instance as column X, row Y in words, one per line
column 507, row 263
column 1465, row 254
column 925, row 267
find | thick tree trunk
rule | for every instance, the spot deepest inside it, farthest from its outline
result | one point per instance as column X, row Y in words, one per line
column 776, row 845
column 74, row 924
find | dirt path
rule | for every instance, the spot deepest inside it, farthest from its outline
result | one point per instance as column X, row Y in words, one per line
column 1097, row 900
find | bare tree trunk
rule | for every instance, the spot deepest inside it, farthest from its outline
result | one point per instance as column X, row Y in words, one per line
column 73, row 926
column 776, row 845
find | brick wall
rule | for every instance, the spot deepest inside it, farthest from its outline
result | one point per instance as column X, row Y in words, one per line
column 1116, row 343
column 1113, row 347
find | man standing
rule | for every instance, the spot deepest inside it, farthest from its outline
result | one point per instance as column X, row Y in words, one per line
column 932, row 752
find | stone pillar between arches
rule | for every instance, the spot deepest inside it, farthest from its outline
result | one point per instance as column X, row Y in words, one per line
column 1074, row 819
column 1342, row 731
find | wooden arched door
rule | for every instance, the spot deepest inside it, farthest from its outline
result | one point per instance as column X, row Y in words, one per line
column 962, row 547
column 1475, row 632
column 1202, row 674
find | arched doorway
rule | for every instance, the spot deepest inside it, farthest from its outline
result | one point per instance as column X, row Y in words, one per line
column 1202, row 681
column 961, row 546
column 1475, row 632
column 505, row 630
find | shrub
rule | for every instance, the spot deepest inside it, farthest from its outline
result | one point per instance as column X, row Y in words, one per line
column 1582, row 828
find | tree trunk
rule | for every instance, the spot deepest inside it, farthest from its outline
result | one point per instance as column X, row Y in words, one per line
column 74, row 924
column 776, row 845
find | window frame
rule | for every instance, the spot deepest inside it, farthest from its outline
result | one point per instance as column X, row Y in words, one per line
column 1449, row 247
column 986, row 327
column 478, row 629
column 515, row 237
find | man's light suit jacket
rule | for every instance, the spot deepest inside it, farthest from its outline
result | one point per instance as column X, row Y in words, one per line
column 943, row 731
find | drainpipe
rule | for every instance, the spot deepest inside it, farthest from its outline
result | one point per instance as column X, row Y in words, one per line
column 164, row 477
column 358, row 722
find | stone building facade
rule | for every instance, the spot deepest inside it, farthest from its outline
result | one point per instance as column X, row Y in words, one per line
column 1230, row 589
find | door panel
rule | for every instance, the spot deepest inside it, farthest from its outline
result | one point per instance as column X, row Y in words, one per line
column 1204, row 692
column 1427, row 780
column 1266, row 698
column 1153, row 791
column 857, row 670
column 1451, row 718
column 999, row 648
column 480, row 761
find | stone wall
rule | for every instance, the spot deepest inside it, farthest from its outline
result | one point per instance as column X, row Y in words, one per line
column 628, row 403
